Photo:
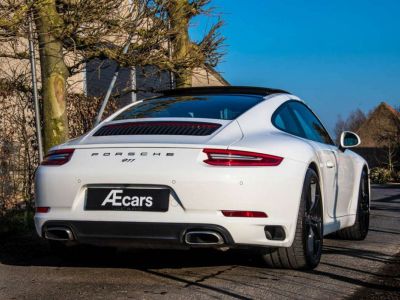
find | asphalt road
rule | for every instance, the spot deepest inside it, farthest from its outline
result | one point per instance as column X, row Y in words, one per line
column 367, row 269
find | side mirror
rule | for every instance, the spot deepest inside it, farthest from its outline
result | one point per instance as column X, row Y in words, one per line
column 349, row 139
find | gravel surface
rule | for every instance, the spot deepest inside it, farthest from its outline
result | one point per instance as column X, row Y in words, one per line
column 366, row 269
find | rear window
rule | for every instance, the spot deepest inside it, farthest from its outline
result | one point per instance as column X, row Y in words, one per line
column 223, row 107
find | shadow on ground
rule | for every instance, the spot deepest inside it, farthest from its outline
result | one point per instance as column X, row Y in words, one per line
column 390, row 283
column 29, row 250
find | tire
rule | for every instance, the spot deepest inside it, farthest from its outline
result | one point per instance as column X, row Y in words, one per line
column 305, row 252
column 359, row 230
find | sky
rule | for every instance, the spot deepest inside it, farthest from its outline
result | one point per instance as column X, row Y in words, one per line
column 336, row 55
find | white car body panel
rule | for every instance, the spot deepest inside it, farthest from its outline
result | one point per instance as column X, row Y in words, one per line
column 199, row 192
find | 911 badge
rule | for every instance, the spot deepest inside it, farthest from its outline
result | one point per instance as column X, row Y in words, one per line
column 128, row 160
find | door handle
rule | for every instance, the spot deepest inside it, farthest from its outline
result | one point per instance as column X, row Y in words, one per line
column 330, row 164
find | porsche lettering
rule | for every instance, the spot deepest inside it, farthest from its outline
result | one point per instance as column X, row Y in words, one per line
column 130, row 154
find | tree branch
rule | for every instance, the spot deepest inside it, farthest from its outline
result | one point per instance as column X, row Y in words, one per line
column 15, row 55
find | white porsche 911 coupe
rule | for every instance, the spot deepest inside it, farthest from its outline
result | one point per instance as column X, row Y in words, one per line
column 220, row 167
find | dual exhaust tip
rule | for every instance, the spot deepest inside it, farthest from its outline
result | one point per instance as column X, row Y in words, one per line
column 193, row 238
column 203, row 238
column 59, row 234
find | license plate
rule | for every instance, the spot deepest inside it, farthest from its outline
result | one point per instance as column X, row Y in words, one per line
column 127, row 199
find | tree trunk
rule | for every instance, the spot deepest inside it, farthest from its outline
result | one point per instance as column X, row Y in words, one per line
column 54, row 73
column 178, row 11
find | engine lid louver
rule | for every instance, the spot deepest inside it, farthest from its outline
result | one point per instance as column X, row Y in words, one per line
column 158, row 128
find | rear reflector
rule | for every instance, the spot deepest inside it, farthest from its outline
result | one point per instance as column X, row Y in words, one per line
column 42, row 209
column 57, row 157
column 244, row 214
column 224, row 157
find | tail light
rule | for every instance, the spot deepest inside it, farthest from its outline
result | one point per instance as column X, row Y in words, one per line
column 222, row 157
column 57, row 157
column 42, row 209
column 244, row 214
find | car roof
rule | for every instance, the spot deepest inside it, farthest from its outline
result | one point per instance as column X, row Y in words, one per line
column 222, row 90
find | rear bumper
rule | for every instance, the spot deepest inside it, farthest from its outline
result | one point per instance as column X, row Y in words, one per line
column 235, row 232
column 136, row 234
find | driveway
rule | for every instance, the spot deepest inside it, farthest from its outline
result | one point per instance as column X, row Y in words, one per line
column 348, row 269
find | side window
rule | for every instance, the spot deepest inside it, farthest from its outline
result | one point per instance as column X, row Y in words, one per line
column 284, row 120
column 279, row 122
column 312, row 127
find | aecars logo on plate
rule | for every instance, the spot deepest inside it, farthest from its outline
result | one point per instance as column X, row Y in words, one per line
column 116, row 198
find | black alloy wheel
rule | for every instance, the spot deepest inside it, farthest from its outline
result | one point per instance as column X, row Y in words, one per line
column 363, row 209
column 359, row 230
column 313, row 222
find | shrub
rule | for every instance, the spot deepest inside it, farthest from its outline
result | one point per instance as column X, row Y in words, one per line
column 16, row 220
column 396, row 177
column 19, row 149
column 380, row 175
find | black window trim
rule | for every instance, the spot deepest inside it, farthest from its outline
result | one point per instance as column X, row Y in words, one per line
column 332, row 143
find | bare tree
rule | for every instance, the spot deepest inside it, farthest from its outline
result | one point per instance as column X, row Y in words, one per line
column 340, row 126
column 355, row 119
column 70, row 33
column 186, row 53
column 352, row 123
column 389, row 138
